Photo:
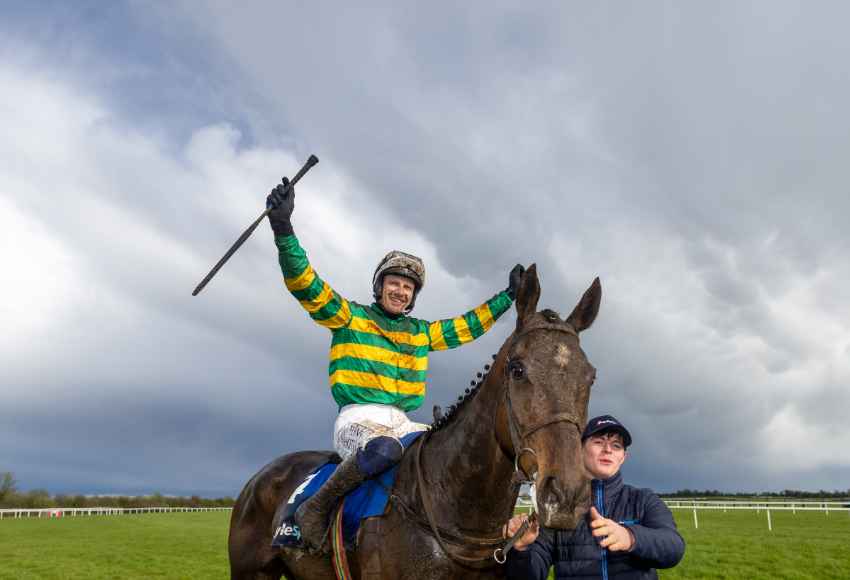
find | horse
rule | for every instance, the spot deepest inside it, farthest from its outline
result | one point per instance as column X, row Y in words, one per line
column 456, row 485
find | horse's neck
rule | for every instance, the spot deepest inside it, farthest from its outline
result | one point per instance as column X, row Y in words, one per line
column 470, row 476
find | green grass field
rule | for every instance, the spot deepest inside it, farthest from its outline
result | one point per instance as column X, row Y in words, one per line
column 734, row 545
column 175, row 545
column 738, row 545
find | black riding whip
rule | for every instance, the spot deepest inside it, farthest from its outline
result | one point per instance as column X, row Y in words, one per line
column 311, row 161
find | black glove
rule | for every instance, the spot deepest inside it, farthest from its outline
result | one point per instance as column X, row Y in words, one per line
column 282, row 203
column 513, row 280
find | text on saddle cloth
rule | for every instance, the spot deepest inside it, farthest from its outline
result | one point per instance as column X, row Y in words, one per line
column 369, row 499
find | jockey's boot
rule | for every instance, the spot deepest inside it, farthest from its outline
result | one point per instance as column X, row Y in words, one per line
column 313, row 516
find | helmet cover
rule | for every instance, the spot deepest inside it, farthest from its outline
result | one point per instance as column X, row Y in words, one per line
column 401, row 264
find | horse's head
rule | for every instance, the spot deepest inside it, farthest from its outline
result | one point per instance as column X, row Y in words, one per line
column 548, row 379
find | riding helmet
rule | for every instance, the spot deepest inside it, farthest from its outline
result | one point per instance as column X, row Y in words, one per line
column 401, row 264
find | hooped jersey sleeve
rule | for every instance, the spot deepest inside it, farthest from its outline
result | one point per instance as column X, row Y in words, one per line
column 322, row 302
column 454, row 332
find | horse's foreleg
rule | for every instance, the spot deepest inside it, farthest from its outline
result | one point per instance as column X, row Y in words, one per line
column 272, row 569
column 253, row 558
column 369, row 540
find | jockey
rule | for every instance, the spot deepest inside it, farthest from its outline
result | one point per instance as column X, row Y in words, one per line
column 378, row 358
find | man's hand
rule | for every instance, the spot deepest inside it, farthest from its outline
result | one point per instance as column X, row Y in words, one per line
column 610, row 534
column 513, row 280
column 282, row 204
column 514, row 524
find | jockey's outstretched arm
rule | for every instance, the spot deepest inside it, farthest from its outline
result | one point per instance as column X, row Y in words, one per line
column 324, row 305
column 454, row 332
column 322, row 302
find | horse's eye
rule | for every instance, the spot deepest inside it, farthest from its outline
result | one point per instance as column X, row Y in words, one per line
column 517, row 370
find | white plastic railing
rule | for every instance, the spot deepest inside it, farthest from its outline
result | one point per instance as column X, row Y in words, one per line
column 97, row 511
column 757, row 506
column 819, row 504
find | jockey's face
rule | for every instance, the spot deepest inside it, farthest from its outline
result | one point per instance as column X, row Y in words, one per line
column 396, row 293
column 604, row 454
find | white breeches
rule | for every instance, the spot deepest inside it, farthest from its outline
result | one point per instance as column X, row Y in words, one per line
column 358, row 424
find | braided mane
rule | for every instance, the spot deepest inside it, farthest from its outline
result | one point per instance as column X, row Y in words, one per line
column 468, row 394
column 475, row 385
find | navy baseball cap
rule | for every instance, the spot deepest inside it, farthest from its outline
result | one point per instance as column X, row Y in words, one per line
column 606, row 423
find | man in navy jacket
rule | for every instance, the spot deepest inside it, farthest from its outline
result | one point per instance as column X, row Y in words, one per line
column 629, row 532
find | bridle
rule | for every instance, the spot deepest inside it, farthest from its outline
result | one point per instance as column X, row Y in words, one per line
column 518, row 437
column 519, row 434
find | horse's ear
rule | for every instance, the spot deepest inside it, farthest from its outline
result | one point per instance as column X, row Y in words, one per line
column 527, row 296
column 586, row 310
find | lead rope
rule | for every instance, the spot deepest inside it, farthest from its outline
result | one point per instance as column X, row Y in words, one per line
column 501, row 554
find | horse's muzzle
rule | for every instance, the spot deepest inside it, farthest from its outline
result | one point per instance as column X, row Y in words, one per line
column 563, row 507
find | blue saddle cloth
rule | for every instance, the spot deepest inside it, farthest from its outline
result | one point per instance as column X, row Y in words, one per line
column 367, row 500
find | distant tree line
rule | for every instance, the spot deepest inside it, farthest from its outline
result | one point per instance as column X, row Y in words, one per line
column 11, row 497
column 784, row 494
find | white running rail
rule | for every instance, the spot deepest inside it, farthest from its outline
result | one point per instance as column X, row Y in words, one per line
column 98, row 511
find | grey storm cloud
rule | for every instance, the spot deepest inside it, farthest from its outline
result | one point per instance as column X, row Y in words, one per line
column 691, row 156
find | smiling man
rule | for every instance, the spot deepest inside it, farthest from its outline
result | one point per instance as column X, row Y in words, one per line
column 378, row 357
column 629, row 532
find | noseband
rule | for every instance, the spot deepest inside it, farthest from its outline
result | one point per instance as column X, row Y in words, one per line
column 520, row 433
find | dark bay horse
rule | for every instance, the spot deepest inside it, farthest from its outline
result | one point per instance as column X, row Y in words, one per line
column 457, row 484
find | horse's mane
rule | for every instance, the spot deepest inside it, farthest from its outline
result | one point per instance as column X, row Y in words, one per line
column 467, row 395
column 475, row 385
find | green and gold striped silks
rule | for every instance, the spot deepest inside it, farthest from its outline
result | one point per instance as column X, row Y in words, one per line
column 376, row 358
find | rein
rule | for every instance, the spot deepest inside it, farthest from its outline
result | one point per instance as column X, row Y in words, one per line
column 518, row 436
column 488, row 543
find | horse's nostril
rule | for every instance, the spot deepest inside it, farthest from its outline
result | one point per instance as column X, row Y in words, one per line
column 552, row 492
column 564, row 495
column 581, row 495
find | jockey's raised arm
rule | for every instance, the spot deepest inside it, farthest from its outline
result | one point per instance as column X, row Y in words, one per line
column 322, row 302
column 378, row 357
column 454, row 332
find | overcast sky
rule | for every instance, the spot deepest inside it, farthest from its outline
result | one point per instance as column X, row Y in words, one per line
column 694, row 156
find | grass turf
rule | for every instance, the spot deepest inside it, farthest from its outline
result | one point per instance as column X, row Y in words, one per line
column 737, row 545
column 733, row 545
column 172, row 545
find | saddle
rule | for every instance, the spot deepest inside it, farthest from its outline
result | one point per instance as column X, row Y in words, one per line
column 367, row 500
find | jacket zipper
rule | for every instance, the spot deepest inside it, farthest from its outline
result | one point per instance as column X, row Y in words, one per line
column 600, row 507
